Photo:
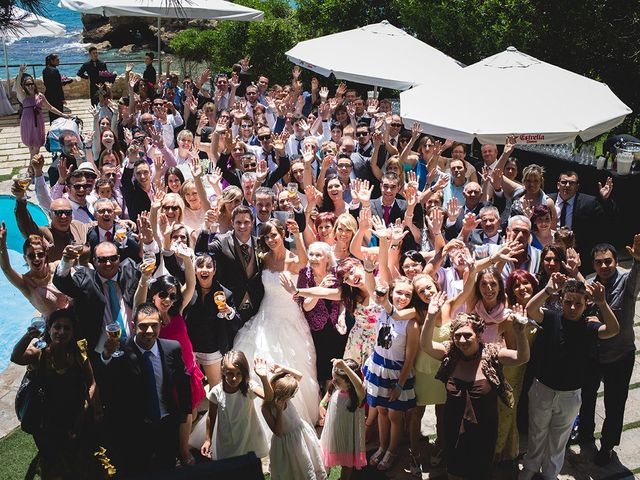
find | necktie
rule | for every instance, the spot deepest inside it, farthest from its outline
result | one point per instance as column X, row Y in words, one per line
column 386, row 213
column 244, row 248
column 299, row 145
column 108, row 236
column 85, row 209
column 114, row 303
column 563, row 214
column 392, row 141
column 153, row 402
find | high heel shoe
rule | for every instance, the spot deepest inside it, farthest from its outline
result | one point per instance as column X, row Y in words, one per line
column 376, row 457
column 387, row 462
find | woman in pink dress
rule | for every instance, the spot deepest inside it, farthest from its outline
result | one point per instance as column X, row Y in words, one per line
column 32, row 120
column 170, row 298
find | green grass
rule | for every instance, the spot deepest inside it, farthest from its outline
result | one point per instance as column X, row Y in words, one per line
column 16, row 452
column 9, row 176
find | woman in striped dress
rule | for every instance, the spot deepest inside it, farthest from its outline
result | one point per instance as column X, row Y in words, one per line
column 389, row 373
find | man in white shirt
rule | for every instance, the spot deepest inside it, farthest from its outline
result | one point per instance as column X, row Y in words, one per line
column 490, row 156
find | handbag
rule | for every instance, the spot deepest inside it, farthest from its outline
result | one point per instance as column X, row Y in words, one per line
column 30, row 400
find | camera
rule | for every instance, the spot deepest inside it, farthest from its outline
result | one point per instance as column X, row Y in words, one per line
column 385, row 338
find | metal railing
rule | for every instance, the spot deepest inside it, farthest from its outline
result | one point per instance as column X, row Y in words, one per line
column 40, row 66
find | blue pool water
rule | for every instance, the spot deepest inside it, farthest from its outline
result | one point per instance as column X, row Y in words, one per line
column 15, row 310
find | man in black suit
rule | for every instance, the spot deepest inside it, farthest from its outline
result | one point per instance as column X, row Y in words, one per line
column 489, row 231
column 91, row 70
column 265, row 201
column 104, row 295
column 53, row 84
column 105, row 231
column 238, row 266
column 136, row 191
column 582, row 213
column 147, row 395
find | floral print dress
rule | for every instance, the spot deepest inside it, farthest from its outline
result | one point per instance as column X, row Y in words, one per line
column 362, row 337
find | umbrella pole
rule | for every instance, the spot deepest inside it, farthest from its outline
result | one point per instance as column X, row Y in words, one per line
column 159, row 59
column 375, row 91
column 6, row 66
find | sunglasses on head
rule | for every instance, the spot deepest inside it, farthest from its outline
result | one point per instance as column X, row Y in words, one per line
column 108, row 258
column 173, row 208
column 34, row 255
column 59, row 213
column 264, row 138
column 81, row 186
column 164, row 294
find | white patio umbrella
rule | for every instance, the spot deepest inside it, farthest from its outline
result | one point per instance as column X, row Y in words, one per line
column 205, row 9
column 379, row 54
column 27, row 24
column 512, row 93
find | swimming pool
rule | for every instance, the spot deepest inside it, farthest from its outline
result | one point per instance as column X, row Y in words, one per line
column 15, row 310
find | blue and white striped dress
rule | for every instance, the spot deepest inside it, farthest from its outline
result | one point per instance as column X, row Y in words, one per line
column 383, row 367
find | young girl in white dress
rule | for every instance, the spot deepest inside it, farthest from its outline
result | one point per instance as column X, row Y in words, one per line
column 238, row 429
column 295, row 450
column 342, row 439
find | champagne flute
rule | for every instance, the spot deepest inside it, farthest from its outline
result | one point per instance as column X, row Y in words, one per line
column 113, row 330
column 220, row 299
column 290, row 218
column 23, row 180
column 121, row 234
column 40, row 324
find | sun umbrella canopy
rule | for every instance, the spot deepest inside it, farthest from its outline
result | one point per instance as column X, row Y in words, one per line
column 27, row 24
column 512, row 93
column 207, row 9
column 378, row 54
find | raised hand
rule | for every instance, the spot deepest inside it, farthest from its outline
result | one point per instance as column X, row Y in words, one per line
column 510, row 144
column 469, row 223
column 3, row 235
column 287, row 284
column 634, row 250
column 380, row 230
column 412, row 179
column 324, row 94
column 453, row 209
column 509, row 251
column 244, row 64
column 527, row 206
column 605, row 191
column 377, row 139
column 157, row 199
column 260, row 367
column 495, row 177
column 556, row 282
column 436, row 302
column 573, row 262
column 351, row 109
column 416, row 131
column 144, row 227
column 195, row 165
column 37, row 162
column 63, row 170
column 596, row 292
column 434, row 220
column 341, row 90
column 364, row 191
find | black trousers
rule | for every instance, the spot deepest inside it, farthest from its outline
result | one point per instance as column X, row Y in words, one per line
column 616, row 377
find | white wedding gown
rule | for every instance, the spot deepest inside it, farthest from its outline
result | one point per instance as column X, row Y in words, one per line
column 279, row 333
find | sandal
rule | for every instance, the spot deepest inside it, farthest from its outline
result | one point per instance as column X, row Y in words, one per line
column 387, row 462
column 415, row 467
column 376, row 457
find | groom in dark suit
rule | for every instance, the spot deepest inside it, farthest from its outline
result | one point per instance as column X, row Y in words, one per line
column 238, row 266
column 147, row 395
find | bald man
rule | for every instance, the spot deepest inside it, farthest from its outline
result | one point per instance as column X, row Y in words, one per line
column 62, row 229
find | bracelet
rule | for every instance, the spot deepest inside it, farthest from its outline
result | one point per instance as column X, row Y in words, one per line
column 324, row 404
column 395, row 246
column 393, row 311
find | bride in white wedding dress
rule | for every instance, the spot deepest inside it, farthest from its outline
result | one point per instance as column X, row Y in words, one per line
column 279, row 332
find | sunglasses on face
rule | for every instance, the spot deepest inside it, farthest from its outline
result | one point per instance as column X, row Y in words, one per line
column 173, row 208
column 165, row 294
column 396, row 125
column 249, row 165
column 108, row 258
column 362, row 134
column 81, row 186
column 147, row 122
column 34, row 255
column 607, row 262
column 60, row 213
column 344, row 165
column 158, row 104
column 264, row 138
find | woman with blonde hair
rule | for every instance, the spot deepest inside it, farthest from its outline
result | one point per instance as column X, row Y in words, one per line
column 231, row 197
column 530, row 195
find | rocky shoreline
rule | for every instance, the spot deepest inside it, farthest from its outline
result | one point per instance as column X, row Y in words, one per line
column 131, row 34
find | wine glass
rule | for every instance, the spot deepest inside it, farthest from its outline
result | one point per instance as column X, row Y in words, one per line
column 220, row 299
column 40, row 324
column 23, row 180
column 113, row 330
column 148, row 261
column 291, row 217
column 292, row 189
column 121, row 234
column 381, row 290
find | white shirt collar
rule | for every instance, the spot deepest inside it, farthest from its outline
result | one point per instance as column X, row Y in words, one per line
column 248, row 242
column 154, row 349
column 560, row 201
